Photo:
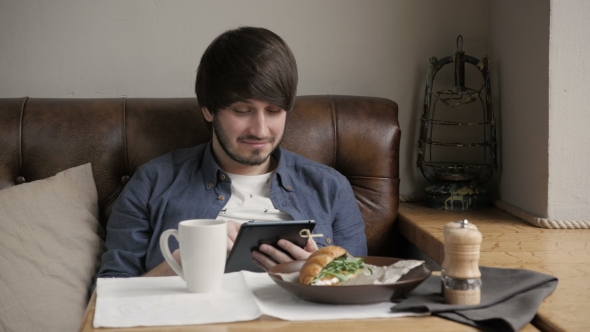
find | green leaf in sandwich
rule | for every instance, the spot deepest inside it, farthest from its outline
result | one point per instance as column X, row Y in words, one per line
column 330, row 266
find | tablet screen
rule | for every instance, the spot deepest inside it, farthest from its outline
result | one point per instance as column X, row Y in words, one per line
column 254, row 233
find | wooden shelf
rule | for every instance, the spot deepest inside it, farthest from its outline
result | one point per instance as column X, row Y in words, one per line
column 512, row 243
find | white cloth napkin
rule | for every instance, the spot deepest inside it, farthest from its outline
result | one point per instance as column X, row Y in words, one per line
column 161, row 301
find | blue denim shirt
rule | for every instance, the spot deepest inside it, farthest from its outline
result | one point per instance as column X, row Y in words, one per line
column 188, row 184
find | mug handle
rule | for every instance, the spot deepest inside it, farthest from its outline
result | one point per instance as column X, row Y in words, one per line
column 166, row 251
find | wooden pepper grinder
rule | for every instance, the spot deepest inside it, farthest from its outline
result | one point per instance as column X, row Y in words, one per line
column 461, row 278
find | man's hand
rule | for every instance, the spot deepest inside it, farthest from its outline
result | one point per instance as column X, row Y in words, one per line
column 232, row 231
column 268, row 256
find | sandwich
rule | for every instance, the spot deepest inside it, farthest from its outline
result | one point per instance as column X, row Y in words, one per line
column 329, row 266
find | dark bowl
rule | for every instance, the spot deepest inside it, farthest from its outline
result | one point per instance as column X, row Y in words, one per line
column 355, row 294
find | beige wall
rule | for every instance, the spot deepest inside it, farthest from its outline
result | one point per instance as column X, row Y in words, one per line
column 569, row 114
column 519, row 49
column 542, row 52
column 151, row 48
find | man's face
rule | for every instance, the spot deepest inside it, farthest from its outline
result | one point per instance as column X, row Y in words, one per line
column 245, row 133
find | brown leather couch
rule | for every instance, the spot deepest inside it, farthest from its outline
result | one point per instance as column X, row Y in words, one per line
column 358, row 136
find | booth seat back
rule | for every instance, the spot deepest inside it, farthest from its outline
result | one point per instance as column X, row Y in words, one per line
column 358, row 136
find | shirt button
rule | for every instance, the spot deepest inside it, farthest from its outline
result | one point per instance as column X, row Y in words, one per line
column 222, row 176
column 221, row 198
column 288, row 187
column 328, row 240
column 210, row 185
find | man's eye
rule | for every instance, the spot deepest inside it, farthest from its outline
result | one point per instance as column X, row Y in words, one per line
column 241, row 111
column 273, row 111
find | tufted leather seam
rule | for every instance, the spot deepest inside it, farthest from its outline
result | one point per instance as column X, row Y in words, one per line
column 335, row 125
column 20, row 133
column 113, row 196
column 371, row 177
column 124, row 134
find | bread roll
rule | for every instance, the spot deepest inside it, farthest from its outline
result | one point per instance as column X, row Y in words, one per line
column 317, row 261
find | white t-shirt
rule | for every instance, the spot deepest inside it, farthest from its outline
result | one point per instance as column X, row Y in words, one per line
column 250, row 200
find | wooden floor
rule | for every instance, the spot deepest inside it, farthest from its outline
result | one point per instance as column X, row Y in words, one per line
column 511, row 242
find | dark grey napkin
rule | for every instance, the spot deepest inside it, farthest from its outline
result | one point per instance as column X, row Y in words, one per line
column 509, row 299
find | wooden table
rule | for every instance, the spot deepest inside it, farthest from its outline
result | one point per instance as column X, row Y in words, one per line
column 507, row 241
column 511, row 242
column 266, row 323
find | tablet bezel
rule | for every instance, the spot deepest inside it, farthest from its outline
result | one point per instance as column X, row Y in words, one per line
column 254, row 233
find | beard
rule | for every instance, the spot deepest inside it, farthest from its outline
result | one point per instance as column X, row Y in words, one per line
column 256, row 158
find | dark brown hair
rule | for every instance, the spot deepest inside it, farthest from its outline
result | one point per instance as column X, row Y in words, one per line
column 246, row 63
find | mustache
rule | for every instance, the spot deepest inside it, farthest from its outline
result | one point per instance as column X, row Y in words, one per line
column 269, row 139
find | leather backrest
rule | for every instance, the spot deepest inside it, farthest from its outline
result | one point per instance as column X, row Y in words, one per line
column 358, row 136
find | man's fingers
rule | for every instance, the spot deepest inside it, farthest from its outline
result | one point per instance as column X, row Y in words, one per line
column 230, row 244
column 232, row 229
column 294, row 250
column 176, row 255
column 232, row 232
column 268, row 255
column 262, row 260
column 276, row 254
column 260, row 265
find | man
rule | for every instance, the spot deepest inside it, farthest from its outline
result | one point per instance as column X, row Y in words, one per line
column 246, row 85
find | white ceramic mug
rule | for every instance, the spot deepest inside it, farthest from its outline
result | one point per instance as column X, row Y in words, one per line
column 203, row 247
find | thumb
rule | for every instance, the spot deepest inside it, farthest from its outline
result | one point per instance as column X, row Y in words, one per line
column 311, row 245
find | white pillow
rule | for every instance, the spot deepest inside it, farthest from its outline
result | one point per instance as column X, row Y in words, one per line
column 49, row 251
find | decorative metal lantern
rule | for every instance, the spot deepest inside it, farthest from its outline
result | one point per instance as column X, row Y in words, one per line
column 457, row 145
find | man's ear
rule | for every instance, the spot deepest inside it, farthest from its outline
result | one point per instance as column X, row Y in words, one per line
column 206, row 114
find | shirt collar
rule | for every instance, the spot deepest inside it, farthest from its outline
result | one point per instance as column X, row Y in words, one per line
column 213, row 173
column 210, row 168
column 282, row 172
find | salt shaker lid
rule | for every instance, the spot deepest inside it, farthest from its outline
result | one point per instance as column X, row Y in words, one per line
column 463, row 223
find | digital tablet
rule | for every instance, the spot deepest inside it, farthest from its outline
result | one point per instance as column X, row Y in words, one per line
column 254, row 233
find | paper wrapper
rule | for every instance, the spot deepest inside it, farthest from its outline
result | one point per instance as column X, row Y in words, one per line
column 372, row 275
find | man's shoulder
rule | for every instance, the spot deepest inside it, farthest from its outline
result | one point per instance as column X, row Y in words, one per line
column 300, row 164
column 174, row 160
column 180, row 156
column 293, row 159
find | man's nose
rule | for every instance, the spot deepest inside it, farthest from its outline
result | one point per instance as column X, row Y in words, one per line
column 258, row 125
